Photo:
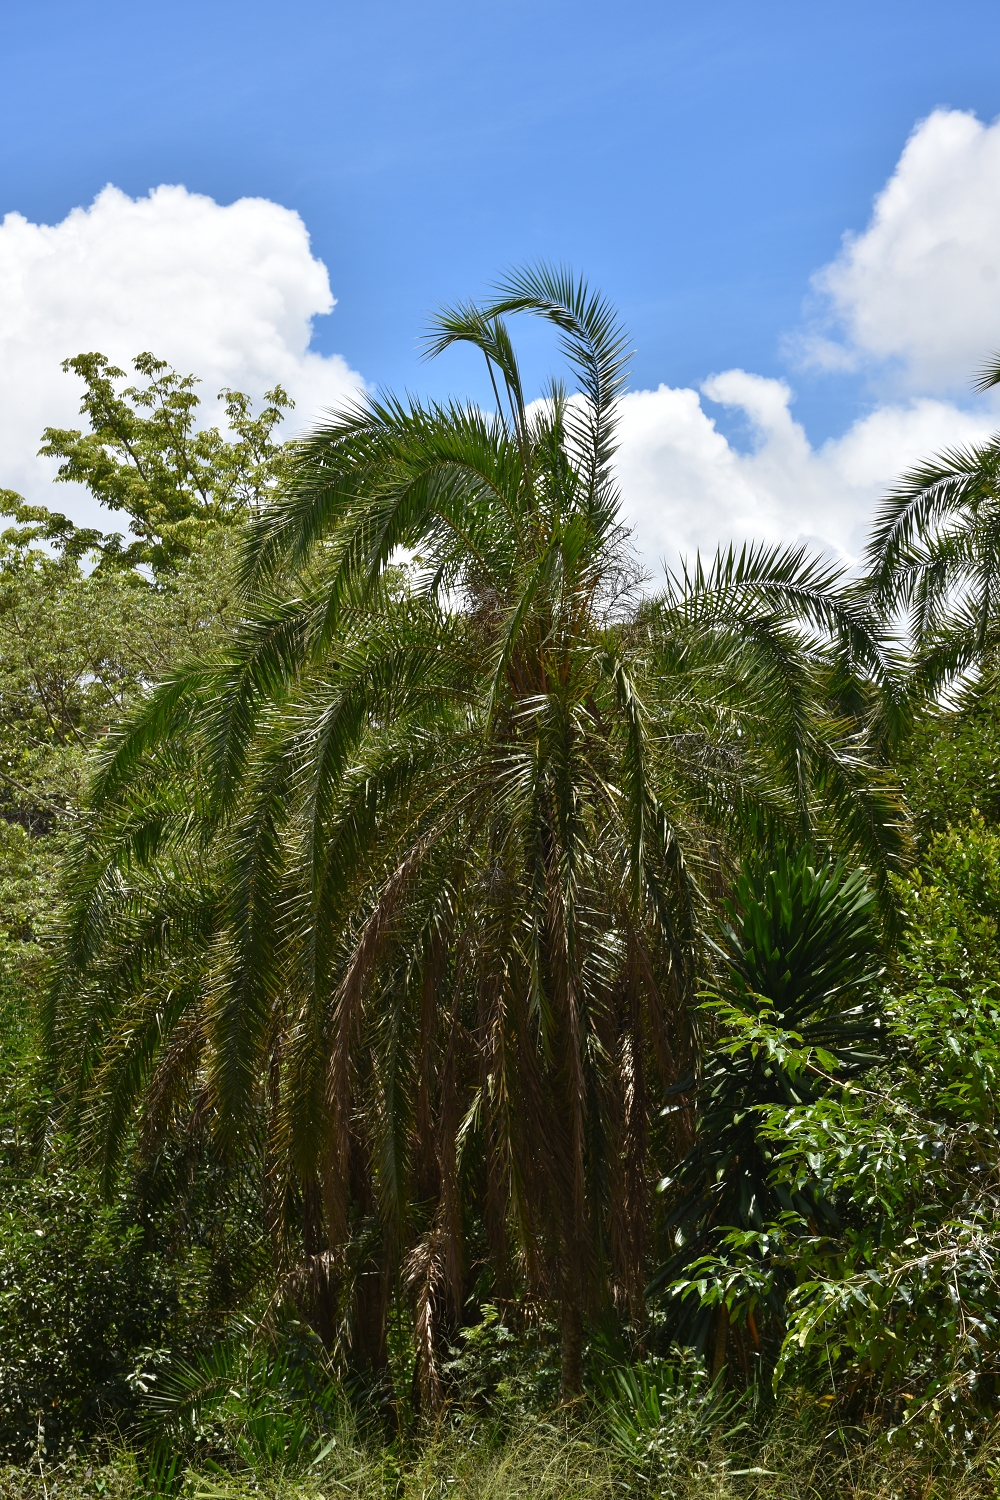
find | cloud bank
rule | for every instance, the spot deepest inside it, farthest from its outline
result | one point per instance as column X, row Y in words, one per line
column 686, row 488
column 228, row 293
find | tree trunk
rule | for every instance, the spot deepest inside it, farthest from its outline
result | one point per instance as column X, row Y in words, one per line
column 721, row 1350
column 368, row 1343
column 321, row 1297
column 571, row 1368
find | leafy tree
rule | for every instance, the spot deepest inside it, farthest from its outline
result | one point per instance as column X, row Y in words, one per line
column 949, row 764
column 79, row 642
column 406, row 890
column 76, row 650
column 84, row 1297
column 87, row 626
column 143, row 455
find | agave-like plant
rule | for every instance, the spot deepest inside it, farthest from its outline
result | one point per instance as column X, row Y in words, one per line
column 406, row 893
column 800, row 952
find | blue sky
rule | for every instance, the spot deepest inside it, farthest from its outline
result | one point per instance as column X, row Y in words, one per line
column 700, row 163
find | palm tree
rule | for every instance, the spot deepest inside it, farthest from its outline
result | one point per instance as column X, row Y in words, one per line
column 934, row 557
column 406, row 893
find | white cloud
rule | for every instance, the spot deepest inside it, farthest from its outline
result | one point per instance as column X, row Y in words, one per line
column 916, row 296
column 228, row 293
column 921, row 285
column 684, row 486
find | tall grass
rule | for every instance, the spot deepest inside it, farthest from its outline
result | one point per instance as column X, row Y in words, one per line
column 260, row 1419
column 798, row 1453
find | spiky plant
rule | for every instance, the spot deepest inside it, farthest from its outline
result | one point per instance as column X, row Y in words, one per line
column 799, row 949
column 406, row 893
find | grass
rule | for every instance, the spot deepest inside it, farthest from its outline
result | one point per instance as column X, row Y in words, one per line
column 796, row 1455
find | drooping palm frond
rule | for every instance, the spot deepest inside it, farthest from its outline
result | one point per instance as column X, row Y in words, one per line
column 735, row 628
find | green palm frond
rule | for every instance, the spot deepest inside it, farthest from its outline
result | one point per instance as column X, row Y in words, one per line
column 989, row 375
column 933, row 559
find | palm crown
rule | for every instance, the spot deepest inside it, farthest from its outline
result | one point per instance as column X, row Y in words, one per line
column 403, row 897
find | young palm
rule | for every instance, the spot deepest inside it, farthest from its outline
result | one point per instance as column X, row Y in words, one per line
column 407, row 892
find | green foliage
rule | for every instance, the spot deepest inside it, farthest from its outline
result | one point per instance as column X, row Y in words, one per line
column 385, row 907
column 89, row 1286
column 952, row 910
column 77, row 649
column 664, row 1416
column 80, row 643
column 904, row 1288
column 145, row 456
column 950, row 766
column 82, row 1296
column 92, row 1291
column 799, row 956
column 250, row 1402
column 506, row 1366
column 796, row 1452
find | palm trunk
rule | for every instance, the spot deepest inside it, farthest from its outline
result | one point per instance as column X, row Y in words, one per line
column 571, row 1354
column 721, row 1350
column 322, row 1298
column 368, row 1339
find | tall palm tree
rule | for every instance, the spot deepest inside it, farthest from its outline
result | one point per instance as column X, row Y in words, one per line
column 934, row 557
column 406, row 892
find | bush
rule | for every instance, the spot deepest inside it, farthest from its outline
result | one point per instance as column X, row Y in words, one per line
column 251, row 1402
column 664, row 1417
column 82, row 1297
column 506, row 1365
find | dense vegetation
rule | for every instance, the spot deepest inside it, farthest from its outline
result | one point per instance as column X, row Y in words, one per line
column 474, row 1015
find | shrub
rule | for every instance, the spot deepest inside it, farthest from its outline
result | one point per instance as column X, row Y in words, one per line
column 82, row 1297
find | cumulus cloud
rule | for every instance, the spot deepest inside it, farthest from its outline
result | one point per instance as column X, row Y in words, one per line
column 226, row 292
column 916, row 297
column 685, row 487
column 231, row 293
column 920, row 287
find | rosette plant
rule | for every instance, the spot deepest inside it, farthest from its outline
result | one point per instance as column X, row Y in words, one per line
column 402, row 897
column 795, row 999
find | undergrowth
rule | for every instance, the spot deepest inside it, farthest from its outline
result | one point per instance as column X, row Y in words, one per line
column 796, row 1451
